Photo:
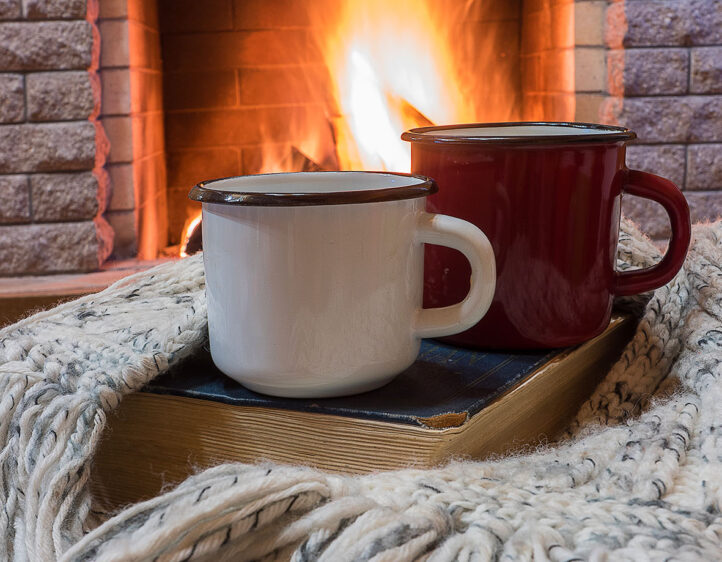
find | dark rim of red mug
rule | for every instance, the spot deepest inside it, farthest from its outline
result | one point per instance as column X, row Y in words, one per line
column 612, row 134
column 206, row 193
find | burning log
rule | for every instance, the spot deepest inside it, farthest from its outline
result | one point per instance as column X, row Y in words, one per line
column 411, row 116
column 298, row 161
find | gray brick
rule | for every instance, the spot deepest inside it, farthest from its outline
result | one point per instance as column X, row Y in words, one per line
column 706, row 125
column 657, row 23
column 53, row 248
column 704, row 166
column 665, row 160
column 60, row 96
column 54, row 9
column 650, row 216
column 12, row 98
column 47, row 45
column 704, row 205
column 64, row 197
column 705, row 22
column 47, row 147
column 15, row 199
column 655, row 71
column 9, row 9
column 706, row 71
column 668, row 119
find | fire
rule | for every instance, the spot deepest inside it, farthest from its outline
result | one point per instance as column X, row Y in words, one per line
column 392, row 65
column 391, row 69
column 188, row 229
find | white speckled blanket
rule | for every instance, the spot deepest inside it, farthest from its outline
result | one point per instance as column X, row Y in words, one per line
column 639, row 477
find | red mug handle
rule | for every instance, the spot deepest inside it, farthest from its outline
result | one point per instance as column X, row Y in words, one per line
column 670, row 197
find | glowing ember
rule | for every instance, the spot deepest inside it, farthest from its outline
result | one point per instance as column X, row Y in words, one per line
column 188, row 230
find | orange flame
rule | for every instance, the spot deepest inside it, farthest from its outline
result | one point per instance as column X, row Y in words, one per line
column 390, row 66
column 391, row 70
column 190, row 225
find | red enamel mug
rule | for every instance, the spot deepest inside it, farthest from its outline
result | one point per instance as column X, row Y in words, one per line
column 548, row 197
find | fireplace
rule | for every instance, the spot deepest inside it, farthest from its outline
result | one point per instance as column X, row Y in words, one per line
column 112, row 109
column 309, row 85
column 249, row 88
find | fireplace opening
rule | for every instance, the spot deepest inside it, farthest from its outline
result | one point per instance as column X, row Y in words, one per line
column 130, row 102
column 252, row 87
column 198, row 90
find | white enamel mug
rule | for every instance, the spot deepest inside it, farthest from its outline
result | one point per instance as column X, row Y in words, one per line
column 314, row 280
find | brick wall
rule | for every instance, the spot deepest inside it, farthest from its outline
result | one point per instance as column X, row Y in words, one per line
column 52, row 148
column 590, row 75
column 547, row 60
column 664, row 81
column 238, row 74
column 132, row 115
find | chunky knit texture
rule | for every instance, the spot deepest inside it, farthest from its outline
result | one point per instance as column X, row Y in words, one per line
column 639, row 476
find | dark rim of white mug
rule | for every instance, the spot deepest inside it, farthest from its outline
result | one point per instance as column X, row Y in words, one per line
column 607, row 133
column 207, row 193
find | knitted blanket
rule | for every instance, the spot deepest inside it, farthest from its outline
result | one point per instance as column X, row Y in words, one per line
column 639, row 476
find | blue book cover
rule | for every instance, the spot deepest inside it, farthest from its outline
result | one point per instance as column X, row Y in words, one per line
column 444, row 387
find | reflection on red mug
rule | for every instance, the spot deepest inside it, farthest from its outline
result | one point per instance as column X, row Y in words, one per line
column 548, row 197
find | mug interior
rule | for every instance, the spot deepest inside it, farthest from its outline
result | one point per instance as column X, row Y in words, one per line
column 530, row 130
column 313, row 188
column 519, row 132
column 313, row 182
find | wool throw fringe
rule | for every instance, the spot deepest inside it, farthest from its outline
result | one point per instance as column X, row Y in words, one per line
column 637, row 477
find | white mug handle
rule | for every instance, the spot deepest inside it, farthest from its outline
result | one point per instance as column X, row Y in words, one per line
column 470, row 241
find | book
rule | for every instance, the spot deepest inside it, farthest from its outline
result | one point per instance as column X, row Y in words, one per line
column 451, row 403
